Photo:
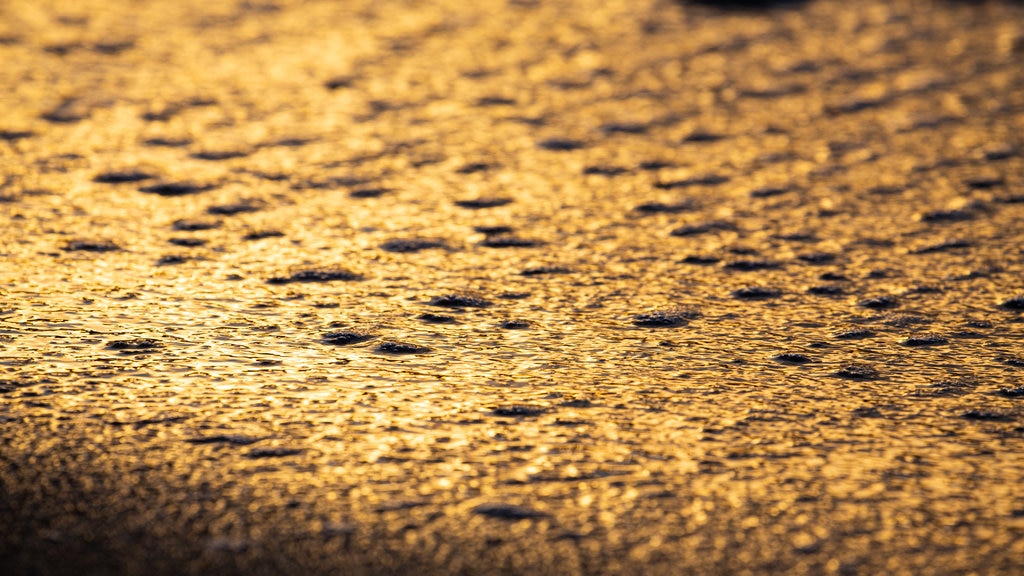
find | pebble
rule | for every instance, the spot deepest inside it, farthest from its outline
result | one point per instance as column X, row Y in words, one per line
column 177, row 188
column 544, row 270
column 122, row 176
column 695, row 229
column 755, row 293
column 878, row 303
column 560, row 144
column 662, row 208
column 369, row 192
column 791, row 358
column 1015, row 304
column 191, row 225
column 514, row 410
column 668, row 318
column 436, row 318
column 514, row 325
column 706, row 180
column 924, row 340
column 327, row 274
column 853, row 334
column 187, row 242
column 392, row 347
column 408, row 245
column 856, row 372
column 459, row 301
column 240, row 207
column 509, row 241
column 135, row 344
column 507, row 512
column 346, row 337
column 91, row 246
column 484, row 202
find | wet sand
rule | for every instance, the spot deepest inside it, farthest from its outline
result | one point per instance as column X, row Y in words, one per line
column 511, row 287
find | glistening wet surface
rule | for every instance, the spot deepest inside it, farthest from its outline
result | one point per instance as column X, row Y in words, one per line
column 576, row 287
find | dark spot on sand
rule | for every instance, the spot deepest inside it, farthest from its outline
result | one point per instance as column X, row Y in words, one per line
column 833, row 277
column 701, row 259
column 755, row 293
column 515, row 410
column 218, row 155
column 662, row 208
column 750, row 265
column 473, row 168
column 604, row 170
column 261, row 234
column 942, row 247
column 240, row 207
column 698, row 136
column 436, row 318
column 544, row 270
column 950, row 387
column 706, row 180
column 514, row 324
column 624, row 128
column 236, row 439
column 407, row 245
column 702, row 228
column 346, row 337
column 187, row 242
column 392, row 347
column 495, row 101
column 276, row 452
column 560, row 144
column 15, row 135
column 327, row 274
column 878, row 303
column 509, row 241
column 171, row 260
column 988, row 415
column 983, row 181
column 369, row 192
column 484, row 202
column 791, row 358
column 167, row 142
column 665, row 318
column 493, row 230
column 946, row 216
column 919, row 340
column 459, row 301
column 134, row 344
column 339, row 82
column 817, row 258
column 768, row 192
column 998, row 151
column 98, row 245
column 856, row 372
column 853, row 334
column 122, row 176
column 507, row 512
column 1011, row 361
column 1015, row 303
column 177, row 188
column 69, row 111
column 654, row 165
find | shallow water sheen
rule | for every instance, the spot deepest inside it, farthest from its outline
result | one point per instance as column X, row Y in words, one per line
column 512, row 287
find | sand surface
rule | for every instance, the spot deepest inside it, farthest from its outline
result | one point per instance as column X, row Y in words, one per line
column 578, row 287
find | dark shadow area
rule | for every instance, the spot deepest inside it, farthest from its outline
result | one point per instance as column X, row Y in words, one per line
column 749, row 5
